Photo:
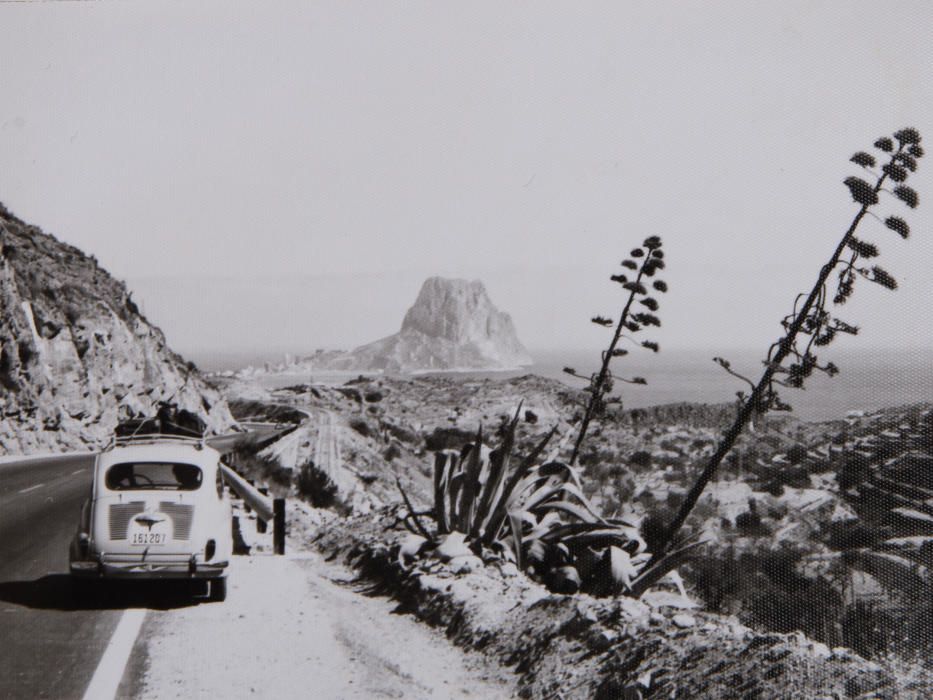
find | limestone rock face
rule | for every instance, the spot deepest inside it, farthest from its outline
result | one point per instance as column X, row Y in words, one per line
column 453, row 325
column 75, row 353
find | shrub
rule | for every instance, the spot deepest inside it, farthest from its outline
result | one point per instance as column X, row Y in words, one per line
column 401, row 433
column 796, row 454
column 25, row 351
column 318, row 488
column 447, row 439
column 849, row 534
column 749, row 524
column 853, row 472
column 361, row 426
column 641, row 458
column 351, row 392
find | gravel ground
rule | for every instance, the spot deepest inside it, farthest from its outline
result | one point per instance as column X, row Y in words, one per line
column 290, row 629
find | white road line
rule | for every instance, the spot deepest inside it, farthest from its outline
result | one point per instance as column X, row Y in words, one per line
column 32, row 488
column 109, row 671
column 77, row 471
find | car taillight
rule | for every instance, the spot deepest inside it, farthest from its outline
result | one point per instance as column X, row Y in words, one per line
column 210, row 549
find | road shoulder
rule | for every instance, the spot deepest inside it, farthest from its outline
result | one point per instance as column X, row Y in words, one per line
column 287, row 629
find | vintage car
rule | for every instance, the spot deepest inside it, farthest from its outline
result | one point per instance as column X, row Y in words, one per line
column 157, row 510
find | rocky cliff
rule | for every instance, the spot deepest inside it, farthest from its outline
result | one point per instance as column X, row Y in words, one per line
column 453, row 325
column 75, row 352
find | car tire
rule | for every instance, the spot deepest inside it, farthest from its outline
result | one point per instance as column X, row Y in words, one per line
column 218, row 592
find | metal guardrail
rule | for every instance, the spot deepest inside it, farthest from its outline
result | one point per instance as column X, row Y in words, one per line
column 267, row 509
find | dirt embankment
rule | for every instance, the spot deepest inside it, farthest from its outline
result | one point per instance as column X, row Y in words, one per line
column 581, row 647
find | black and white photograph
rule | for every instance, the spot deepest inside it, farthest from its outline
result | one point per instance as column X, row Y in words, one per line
column 443, row 350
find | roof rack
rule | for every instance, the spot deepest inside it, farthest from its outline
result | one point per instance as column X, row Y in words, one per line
column 152, row 438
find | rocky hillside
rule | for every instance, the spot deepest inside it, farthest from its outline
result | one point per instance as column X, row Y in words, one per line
column 806, row 524
column 453, row 325
column 75, row 352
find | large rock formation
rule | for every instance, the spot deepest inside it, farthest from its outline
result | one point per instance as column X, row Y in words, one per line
column 453, row 325
column 75, row 353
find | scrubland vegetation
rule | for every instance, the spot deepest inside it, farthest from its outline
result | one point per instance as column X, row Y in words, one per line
column 822, row 528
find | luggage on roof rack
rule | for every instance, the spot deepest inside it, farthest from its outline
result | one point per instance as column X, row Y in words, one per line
column 169, row 420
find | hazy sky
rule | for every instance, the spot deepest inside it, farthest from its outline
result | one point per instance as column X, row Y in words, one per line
column 287, row 174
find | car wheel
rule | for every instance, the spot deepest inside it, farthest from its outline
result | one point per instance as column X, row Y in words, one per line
column 218, row 590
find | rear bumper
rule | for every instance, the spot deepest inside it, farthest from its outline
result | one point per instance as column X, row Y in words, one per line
column 162, row 566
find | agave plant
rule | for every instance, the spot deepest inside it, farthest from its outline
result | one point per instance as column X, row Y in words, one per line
column 813, row 324
column 534, row 513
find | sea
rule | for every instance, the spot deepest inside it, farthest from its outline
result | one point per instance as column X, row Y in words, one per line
column 868, row 379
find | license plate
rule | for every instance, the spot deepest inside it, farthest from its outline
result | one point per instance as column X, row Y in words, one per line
column 147, row 538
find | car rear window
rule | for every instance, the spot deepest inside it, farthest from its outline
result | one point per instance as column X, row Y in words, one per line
column 169, row 476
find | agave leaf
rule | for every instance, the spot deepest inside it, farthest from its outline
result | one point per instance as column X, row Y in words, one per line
column 564, row 580
column 599, row 540
column 498, row 463
column 560, row 446
column 541, row 495
column 621, row 523
column 411, row 511
column 577, row 492
column 620, row 567
column 566, row 472
column 537, row 551
column 497, row 517
column 575, row 473
column 498, row 467
column 445, row 463
column 515, row 524
column 597, row 531
column 474, row 465
column 533, row 483
column 571, row 509
column 453, row 496
column 547, row 524
column 571, row 529
column 653, row 573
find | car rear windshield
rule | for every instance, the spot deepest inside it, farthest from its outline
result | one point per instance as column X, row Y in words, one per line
column 137, row 476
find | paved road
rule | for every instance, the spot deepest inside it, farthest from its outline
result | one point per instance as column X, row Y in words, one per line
column 284, row 630
column 48, row 648
column 327, row 454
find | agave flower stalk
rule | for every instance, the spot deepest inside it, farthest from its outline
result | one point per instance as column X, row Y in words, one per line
column 810, row 321
column 601, row 383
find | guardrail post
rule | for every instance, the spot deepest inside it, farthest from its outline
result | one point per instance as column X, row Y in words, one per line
column 251, row 482
column 278, row 525
column 262, row 525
